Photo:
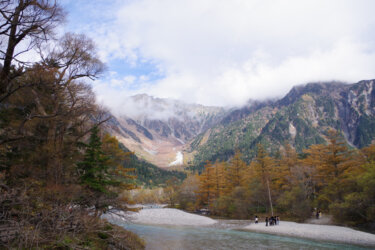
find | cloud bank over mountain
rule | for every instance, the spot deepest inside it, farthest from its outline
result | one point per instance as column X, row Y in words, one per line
column 226, row 52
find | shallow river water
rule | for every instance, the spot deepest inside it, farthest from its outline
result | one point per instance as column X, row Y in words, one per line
column 222, row 235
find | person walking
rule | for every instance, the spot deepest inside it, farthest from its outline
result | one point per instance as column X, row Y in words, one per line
column 256, row 219
column 266, row 221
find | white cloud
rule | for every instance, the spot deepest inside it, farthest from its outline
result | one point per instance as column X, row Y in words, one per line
column 219, row 52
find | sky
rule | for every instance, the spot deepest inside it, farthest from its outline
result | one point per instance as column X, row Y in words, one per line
column 224, row 52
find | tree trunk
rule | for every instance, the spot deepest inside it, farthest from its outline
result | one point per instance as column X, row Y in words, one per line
column 12, row 43
column 269, row 196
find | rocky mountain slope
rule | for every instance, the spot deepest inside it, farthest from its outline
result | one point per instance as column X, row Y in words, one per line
column 157, row 129
column 301, row 118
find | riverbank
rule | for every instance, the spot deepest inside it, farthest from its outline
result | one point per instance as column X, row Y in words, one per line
column 170, row 216
column 176, row 217
column 316, row 232
column 163, row 216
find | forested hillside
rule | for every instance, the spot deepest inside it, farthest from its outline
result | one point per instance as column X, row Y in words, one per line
column 149, row 175
column 302, row 118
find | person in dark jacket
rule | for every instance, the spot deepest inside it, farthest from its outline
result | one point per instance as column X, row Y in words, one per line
column 272, row 221
column 266, row 221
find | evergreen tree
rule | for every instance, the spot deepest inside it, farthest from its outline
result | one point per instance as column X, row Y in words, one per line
column 93, row 168
column 100, row 174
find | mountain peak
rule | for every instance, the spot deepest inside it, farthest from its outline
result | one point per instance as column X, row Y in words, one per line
column 318, row 88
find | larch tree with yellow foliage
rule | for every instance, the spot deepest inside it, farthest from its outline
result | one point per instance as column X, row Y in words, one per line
column 219, row 180
column 331, row 162
column 235, row 173
column 262, row 165
column 284, row 166
column 357, row 206
column 206, row 185
column 116, row 160
column 337, row 160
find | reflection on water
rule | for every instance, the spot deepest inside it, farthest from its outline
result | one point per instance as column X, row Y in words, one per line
column 220, row 236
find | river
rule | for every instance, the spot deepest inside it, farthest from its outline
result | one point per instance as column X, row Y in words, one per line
column 222, row 235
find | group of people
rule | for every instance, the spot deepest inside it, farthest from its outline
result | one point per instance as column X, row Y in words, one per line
column 273, row 220
column 318, row 214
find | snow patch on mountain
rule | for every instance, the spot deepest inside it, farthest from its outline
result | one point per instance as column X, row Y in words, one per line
column 179, row 159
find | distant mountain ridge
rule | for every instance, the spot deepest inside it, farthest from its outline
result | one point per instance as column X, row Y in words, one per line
column 161, row 128
column 301, row 119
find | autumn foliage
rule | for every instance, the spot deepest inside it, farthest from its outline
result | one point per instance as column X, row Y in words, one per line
column 58, row 170
column 330, row 177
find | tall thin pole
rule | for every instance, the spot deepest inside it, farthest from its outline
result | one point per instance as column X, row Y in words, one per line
column 269, row 196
